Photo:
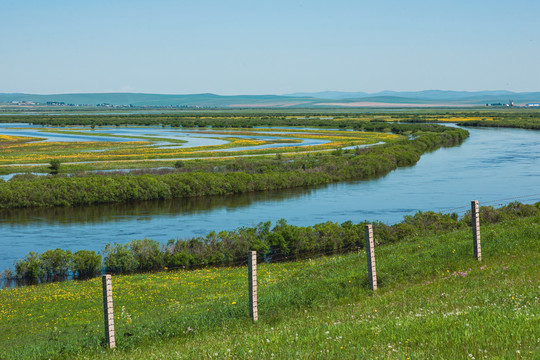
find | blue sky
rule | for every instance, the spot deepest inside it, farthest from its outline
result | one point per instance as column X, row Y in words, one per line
column 268, row 47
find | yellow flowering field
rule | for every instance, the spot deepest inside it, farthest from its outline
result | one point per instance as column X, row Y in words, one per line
column 29, row 151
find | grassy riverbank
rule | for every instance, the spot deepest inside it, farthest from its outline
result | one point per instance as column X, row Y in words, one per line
column 242, row 176
column 434, row 302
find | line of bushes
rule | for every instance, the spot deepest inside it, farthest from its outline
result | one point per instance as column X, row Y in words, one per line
column 57, row 264
column 527, row 119
column 298, row 171
column 530, row 124
column 280, row 243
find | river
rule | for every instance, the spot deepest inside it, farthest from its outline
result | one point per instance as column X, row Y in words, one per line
column 493, row 166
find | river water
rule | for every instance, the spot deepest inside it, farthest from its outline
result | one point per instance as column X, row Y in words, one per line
column 493, row 166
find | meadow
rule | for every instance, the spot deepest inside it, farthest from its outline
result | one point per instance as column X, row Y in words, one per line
column 434, row 301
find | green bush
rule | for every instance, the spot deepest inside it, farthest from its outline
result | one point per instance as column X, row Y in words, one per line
column 85, row 264
column 55, row 263
column 147, row 254
column 178, row 259
column 179, row 164
column 29, row 268
column 54, row 166
column 7, row 275
column 119, row 259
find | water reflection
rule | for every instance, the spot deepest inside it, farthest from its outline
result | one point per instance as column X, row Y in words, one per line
column 143, row 210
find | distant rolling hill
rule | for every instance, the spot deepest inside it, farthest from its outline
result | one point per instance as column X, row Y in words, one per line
column 316, row 99
column 138, row 99
column 429, row 96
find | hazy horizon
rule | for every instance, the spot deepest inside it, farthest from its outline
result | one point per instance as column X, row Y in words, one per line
column 269, row 94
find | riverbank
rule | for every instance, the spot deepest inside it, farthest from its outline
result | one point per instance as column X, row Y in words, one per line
column 281, row 242
column 434, row 301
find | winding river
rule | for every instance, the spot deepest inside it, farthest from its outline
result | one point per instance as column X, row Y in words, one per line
column 494, row 166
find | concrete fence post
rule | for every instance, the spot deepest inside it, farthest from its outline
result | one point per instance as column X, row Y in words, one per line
column 370, row 250
column 475, row 218
column 252, row 280
column 108, row 311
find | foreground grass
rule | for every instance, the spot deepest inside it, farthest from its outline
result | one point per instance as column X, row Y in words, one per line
column 434, row 302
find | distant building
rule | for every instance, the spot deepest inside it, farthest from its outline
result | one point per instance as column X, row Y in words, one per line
column 533, row 105
column 24, row 102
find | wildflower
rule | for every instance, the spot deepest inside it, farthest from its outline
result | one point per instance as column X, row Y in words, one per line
column 234, row 303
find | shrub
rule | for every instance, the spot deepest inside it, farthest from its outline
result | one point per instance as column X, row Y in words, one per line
column 29, row 268
column 54, row 166
column 55, row 263
column 86, row 264
column 147, row 254
column 178, row 259
column 7, row 274
column 432, row 221
column 119, row 259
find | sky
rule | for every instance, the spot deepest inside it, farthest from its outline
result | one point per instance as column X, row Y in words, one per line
column 268, row 47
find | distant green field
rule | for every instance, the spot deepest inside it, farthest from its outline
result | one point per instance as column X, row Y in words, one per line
column 434, row 301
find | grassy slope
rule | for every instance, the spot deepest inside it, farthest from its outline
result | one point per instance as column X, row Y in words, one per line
column 435, row 301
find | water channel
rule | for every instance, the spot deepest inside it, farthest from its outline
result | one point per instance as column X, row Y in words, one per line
column 494, row 166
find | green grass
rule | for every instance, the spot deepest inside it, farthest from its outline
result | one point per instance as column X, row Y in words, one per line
column 435, row 301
